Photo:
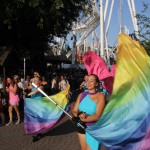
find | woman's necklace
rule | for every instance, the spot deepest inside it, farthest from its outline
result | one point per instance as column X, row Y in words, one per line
column 93, row 93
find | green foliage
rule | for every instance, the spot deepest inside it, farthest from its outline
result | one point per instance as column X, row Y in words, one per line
column 144, row 26
column 27, row 21
column 144, row 23
column 147, row 46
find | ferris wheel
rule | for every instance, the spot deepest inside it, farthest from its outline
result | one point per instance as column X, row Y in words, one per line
column 95, row 25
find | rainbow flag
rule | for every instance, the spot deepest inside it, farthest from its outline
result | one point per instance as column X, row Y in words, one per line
column 125, row 122
column 41, row 114
column 96, row 65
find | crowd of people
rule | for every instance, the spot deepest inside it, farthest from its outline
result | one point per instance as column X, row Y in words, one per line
column 17, row 89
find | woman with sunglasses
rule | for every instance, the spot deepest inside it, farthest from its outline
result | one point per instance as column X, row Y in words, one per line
column 35, row 74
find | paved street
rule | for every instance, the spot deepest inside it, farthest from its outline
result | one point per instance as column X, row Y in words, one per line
column 62, row 137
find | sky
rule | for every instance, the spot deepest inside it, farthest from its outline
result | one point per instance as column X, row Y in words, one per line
column 114, row 24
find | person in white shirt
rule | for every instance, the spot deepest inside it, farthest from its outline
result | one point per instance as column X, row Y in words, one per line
column 63, row 83
column 1, row 83
column 36, row 74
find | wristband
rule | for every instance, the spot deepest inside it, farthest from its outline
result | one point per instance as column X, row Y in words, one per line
column 79, row 113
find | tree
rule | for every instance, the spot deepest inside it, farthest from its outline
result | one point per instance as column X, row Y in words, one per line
column 27, row 25
column 36, row 19
column 144, row 26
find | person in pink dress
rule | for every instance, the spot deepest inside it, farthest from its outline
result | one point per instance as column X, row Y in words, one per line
column 12, row 89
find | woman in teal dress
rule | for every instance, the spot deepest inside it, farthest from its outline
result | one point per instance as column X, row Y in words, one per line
column 89, row 107
column 35, row 94
column 83, row 84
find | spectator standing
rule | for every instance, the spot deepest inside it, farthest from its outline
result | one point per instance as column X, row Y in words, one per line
column 54, row 84
column 63, row 83
column 45, row 85
column 13, row 100
column 83, row 84
column 1, row 109
column 36, row 74
column 1, row 83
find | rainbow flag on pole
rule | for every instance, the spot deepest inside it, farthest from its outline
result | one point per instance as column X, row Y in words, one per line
column 125, row 122
column 41, row 114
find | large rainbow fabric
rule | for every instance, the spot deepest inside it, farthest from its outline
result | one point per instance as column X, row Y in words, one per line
column 125, row 122
column 96, row 65
column 42, row 114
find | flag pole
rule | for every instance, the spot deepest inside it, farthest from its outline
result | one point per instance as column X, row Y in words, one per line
column 56, row 104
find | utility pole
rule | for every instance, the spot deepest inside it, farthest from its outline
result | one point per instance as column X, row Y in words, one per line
column 101, row 30
column 74, row 48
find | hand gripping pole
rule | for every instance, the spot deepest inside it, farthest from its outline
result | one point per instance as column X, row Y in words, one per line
column 70, row 117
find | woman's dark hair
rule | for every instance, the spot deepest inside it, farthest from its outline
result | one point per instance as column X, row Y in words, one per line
column 12, row 80
column 96, row 77
column 97, row 80
column 40, row 78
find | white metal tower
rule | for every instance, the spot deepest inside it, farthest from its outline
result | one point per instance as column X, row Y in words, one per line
column 99, row 15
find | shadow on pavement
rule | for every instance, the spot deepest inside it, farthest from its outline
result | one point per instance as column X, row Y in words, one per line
column 61, row 129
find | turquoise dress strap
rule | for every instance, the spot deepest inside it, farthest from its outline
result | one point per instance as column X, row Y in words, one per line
column 85, row 89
